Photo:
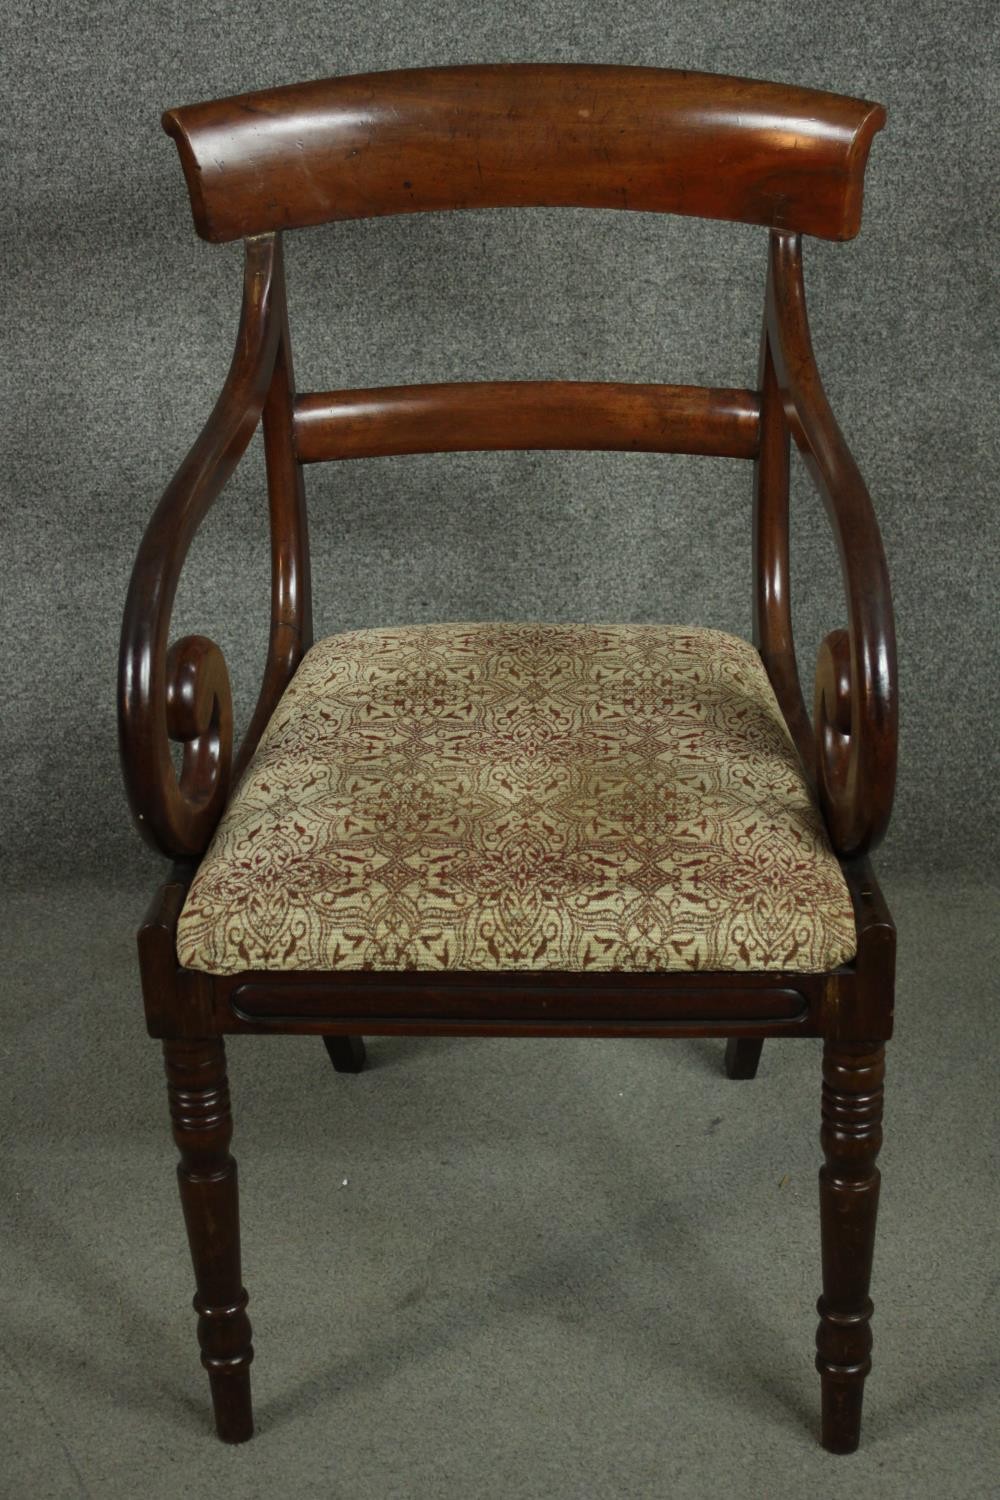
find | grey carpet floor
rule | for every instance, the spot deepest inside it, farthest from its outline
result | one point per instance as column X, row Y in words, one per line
column 490, row 1268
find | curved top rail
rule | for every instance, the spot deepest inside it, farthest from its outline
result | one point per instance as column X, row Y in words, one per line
column 526, row 134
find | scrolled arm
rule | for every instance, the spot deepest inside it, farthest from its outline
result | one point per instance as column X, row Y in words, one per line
column 182, row 693
column 855, row 715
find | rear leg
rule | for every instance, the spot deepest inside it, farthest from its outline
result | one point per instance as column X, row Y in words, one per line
column 743, row 1055
column 347, row 1053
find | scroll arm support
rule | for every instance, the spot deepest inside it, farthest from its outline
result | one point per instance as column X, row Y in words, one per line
column 182, row 693
column 772, row 604
column 855, row 717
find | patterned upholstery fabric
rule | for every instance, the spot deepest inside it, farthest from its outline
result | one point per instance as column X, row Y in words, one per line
column 577, row 797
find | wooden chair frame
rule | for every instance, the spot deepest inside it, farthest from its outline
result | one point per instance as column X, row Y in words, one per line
column 792, row 160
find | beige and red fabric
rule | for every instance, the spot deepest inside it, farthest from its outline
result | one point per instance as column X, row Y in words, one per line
column 518, row 796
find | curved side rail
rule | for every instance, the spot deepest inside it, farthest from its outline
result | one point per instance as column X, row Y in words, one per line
column 181, row 692
column 856, row 696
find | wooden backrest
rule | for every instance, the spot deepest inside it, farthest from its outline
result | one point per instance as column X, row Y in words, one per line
column 526, row 134
column 612, row 137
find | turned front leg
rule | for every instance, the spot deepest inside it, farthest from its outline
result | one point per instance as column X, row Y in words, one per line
column 849, row 1185
column 203, row 1127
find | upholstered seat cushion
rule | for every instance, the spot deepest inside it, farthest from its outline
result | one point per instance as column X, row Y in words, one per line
column 488, row 797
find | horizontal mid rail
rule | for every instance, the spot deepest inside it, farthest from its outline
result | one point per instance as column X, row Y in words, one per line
column 481, row 415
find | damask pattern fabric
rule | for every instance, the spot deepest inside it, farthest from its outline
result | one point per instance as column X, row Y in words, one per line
column 487, row 797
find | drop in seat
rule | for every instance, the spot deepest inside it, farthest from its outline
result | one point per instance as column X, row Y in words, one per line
column 512, row 796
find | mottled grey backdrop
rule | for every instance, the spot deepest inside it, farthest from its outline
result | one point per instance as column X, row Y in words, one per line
column 119, row 327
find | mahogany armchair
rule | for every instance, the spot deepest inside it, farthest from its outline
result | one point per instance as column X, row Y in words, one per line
column 523, row 830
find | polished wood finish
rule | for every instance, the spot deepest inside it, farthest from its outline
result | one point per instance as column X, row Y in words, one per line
column 856, row 701
column 772, row 600
column 291, row 626
column 526, row 414
column 199, row 1111
column 853, row 1075
column 462, row 137
column 181, row 692
column 526, row 134
column 548, row 1003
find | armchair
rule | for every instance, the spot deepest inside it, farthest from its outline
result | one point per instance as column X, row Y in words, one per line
column 520, row 830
